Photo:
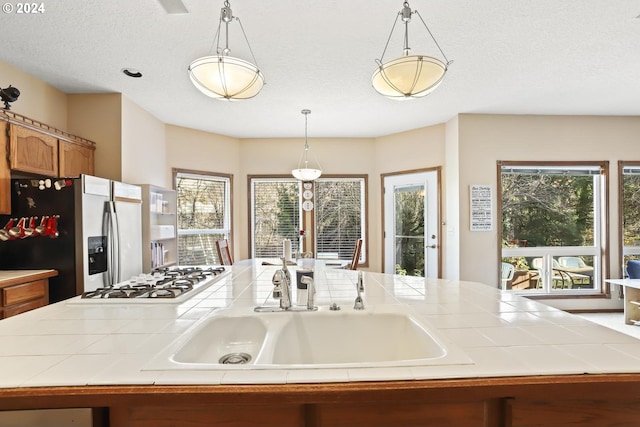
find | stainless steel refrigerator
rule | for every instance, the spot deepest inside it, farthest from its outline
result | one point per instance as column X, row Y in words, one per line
column 90, row 231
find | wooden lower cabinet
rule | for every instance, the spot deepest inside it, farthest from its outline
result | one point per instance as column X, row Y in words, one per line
column 16, row 299
column 454, row 414
column 535, row 401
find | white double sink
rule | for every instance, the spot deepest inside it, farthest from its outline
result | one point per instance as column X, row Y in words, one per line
column 380, row 336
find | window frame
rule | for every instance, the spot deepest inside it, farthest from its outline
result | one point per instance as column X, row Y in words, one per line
column 308, row 222
column 364, row 258
column 227, row 231
column 599, row 251
column 624, row 250
column 250, row 205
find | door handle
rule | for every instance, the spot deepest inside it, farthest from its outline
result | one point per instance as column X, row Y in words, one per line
column 432, row 246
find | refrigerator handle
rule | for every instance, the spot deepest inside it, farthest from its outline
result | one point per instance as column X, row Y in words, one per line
column 106, row 231
column 110, row 225
column 117, row 271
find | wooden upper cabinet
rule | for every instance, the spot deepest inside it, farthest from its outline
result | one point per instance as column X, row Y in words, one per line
column 33, row 151
column 34, row 148
column 5, row 170
column 75, row 159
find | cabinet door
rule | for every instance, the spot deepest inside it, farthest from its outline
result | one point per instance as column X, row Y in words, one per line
column 33, row 152
column 5, row 171
column 75, row 159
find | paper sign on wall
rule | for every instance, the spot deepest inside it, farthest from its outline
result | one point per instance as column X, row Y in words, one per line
column 481, row 208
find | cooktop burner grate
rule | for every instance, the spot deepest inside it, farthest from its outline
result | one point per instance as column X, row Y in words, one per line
column 162, row 284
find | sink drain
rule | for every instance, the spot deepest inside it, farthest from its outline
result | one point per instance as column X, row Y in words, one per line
column 235, row 359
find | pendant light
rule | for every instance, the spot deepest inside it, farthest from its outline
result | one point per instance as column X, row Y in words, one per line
column 304, row 172
column 409, row 76
column 222, row 76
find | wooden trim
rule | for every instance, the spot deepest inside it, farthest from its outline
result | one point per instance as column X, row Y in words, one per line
column 312, row 220
column 442, row 226
column 621, row 165
column 556, row 387
column 604, row 253
column 20, row 120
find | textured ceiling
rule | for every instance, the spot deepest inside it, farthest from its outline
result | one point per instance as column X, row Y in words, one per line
column 512, row 57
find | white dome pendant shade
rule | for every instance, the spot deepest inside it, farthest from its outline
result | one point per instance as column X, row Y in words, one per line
column 226, row 77
column 222, row 76
column 304, row 172
column 409, row 76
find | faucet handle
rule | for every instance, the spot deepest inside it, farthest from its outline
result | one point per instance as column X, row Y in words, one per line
column 359, row 304
column 277, row 282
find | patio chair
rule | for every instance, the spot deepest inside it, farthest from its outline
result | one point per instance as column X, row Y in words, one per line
column 506, row 274
column 571, row 262
column 559, row 275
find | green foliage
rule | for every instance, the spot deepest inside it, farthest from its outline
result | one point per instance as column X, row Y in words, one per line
column 548, row 210
column 409, row 206
column 630, row 211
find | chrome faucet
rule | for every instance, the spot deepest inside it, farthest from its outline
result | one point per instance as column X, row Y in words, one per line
column 282, row 291
column 359, row 304
column 285, row 298
column 311, row 292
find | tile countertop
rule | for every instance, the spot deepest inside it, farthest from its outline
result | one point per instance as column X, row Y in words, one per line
column 69, row 343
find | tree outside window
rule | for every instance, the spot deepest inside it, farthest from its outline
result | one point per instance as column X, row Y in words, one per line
column 204, row 216
column 551, row 216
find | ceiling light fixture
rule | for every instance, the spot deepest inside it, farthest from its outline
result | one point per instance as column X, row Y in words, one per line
column 410, row 76
column 306, row 173
column 222, row 76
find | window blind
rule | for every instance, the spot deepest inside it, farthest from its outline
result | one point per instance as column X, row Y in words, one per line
column 339, row 216
column 275, row 215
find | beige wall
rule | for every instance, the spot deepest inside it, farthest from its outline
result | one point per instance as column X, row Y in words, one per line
column 336, row 156
column 206, row 152
column 484, row 139
column 416, row 149
column 38, row 100
column 143, row 147
column 98, row 117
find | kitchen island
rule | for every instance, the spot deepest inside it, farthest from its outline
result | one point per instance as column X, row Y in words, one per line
column 530, row 364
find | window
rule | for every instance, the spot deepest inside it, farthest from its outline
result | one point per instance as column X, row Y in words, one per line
column 552, row 217
column 204, row 215
column 337, row 221
column 275, row 215
column 630, row 200
column 340, row 220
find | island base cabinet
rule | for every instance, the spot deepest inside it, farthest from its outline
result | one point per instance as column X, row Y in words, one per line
column 584, row 413
column 424, row 414
column 392, row 413
column 207, row 416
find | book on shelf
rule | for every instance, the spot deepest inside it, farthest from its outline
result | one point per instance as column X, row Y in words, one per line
column 158, row 254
